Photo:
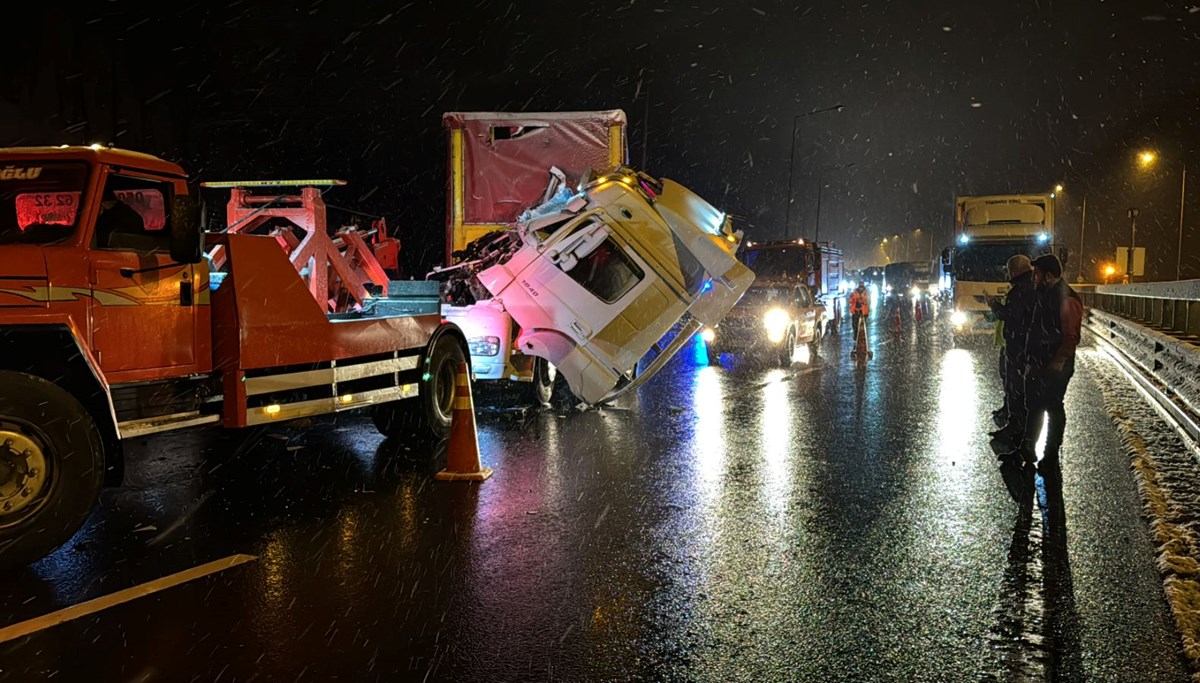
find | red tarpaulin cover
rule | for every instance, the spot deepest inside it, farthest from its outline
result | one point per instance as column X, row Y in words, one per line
column 507, row 157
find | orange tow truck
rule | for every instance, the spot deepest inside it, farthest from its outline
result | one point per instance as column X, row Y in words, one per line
column 120, row 317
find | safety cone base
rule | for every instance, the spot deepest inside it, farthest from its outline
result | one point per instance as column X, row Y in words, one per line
column 447, row 475
column 462, row 449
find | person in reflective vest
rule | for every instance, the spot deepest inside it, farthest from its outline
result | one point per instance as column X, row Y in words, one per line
column 860, row 305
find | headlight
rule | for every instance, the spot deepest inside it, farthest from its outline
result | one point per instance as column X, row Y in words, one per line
column 958, row 318
column 888, row 289
column 776, row 321
column 484, row 346
column 915, row 291
column 708, row 334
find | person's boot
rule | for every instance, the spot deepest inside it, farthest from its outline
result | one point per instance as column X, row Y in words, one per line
column 1013, row 471
column 1050, row 465
column 1000, row 417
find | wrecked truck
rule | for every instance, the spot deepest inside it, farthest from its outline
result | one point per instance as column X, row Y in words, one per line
column 565, row 268
column 593, row 280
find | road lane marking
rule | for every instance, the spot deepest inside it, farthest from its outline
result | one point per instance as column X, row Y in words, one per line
column 83, row 609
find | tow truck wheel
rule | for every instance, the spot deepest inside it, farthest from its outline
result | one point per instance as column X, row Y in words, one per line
column 51, row 467
column 426, row 417
column 541, row 389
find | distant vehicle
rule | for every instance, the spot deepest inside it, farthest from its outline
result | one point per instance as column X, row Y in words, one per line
column 990, row 230
column 816, row 264
column 770, row 322
column 909, row 280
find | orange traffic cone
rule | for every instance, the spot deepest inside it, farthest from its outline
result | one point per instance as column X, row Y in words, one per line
column 917, row 310
column 861, row 353
column 896, row 319
column 462, row 452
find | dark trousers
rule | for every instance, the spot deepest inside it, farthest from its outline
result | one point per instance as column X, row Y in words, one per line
column 1044, row 393
column 1012, row 375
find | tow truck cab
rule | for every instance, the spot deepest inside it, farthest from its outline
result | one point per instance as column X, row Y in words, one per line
column 111, row 328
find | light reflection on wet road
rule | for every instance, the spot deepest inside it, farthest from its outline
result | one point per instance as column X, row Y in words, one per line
column 728, row 523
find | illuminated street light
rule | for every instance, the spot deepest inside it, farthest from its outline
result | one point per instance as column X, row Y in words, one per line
column 1146, row 159
column 1059, row 188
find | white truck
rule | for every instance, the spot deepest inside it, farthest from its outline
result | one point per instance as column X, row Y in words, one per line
column 564, row 264
column 988, row 231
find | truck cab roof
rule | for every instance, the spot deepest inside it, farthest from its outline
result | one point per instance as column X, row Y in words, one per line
column 97, row 154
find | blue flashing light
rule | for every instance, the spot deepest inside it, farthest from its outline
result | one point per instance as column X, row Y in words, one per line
column 1043, row 238
column 707, row 286
column 964, row 239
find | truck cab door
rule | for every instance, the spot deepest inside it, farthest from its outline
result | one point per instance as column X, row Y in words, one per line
column 808, row 315
column 585, row 285
column 143, row 303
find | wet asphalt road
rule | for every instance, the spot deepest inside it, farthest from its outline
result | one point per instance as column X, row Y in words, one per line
column 730, row 523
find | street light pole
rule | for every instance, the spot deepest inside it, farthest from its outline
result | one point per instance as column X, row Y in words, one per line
column 820, row 191
column 1083, row 225
column 787, row 220
column 1182, row 199
column 1133, row 214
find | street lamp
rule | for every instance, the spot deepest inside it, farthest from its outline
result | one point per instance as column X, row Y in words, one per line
column 1058, row 188
column 1146, row 159
column 1109, row 271
column 787, row 220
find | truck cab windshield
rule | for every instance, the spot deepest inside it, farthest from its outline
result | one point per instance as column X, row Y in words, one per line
column 775, row 262
column 39, row 202
column 986, row 262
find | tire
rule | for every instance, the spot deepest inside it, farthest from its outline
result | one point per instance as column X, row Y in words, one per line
column 44, row 429
column 562, row 398
column 426, row 418
column 539, row 391
column 788, row 350
column 814, row 349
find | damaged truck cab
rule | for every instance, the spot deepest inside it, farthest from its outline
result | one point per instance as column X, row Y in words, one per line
column 588, row 280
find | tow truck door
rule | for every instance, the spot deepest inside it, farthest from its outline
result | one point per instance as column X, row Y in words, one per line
column 143, row 303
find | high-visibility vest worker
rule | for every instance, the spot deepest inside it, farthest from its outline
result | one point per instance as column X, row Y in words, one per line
column 860, row 301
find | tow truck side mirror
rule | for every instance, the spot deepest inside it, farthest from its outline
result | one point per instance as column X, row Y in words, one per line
column 186, row 238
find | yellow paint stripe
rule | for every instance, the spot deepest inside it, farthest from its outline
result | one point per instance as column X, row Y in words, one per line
column 616, row 146
column 456, row 184
column 83, row 609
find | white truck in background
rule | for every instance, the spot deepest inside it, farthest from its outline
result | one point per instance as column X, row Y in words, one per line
column 988, row 231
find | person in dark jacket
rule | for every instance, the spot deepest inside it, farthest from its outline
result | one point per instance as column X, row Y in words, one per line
column 1050, row 344
column 116, row 218
column 1014, row 314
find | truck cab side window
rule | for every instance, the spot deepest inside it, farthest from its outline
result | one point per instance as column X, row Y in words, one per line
column 133, row 216
column 607, row 272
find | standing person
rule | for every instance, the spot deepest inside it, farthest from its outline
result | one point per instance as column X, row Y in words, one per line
column 1013, row 318
column 860, row 305
column 1054, row 333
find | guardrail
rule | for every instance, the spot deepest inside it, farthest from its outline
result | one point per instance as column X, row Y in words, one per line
column 1173, row 307
column 1155, row 326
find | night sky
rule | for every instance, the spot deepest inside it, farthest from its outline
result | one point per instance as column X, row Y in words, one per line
column 973, row 98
